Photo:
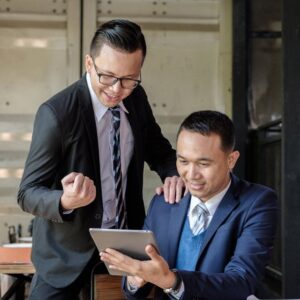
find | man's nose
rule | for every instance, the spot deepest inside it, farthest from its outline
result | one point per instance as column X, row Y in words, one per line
column 117, row 86
column 193, row 172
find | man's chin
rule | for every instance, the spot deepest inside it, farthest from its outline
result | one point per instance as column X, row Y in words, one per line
column 197, row 193
column 109, row 101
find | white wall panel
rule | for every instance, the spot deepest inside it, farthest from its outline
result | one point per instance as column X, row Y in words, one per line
column 34, row 69
column 36, row 7
column 180, row 72
column 39, row 55
column 162, row 11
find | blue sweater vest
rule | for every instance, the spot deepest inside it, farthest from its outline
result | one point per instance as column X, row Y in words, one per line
column 189, row 248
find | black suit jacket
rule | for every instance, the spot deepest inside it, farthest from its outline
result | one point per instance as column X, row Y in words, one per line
column 65, row 140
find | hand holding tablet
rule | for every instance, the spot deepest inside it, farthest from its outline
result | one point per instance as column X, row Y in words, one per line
column 128, row 242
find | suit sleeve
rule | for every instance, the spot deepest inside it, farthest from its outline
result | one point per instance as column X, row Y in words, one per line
column 250, row 256
column 40, row 173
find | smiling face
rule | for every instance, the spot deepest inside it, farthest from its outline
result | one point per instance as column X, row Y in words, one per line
column 111, row 61
column 202, row 164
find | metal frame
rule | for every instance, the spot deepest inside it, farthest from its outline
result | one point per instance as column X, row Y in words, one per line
column 239, row 81
column 291, row 146
column 290, row 159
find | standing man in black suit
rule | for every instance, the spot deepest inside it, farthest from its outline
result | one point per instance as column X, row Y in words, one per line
column 68, row 181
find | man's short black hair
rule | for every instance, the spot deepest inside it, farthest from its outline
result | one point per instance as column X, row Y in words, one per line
column 207, row 122
column 119, row 34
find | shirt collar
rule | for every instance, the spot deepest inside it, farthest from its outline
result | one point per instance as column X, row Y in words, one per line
column 211, row 204
column 99, row 108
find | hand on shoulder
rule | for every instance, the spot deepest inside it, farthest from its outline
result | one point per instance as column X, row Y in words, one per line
column 173, row 189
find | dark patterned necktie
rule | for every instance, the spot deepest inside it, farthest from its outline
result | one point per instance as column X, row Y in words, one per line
column 121, row 221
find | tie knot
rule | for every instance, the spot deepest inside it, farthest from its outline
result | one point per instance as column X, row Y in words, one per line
column 200, row 209
column 115, row 108
column 115, row 113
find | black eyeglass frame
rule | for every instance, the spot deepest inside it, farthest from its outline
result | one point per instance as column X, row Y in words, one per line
column 116, row 79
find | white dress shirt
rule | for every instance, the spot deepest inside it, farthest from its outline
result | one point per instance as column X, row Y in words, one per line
column 211, row 204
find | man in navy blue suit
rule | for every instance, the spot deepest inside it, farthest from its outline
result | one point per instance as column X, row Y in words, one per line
column 225, row 257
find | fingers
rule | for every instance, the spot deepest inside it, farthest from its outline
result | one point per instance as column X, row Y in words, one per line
column 173, row 188
column 92, row 191
column 179, row 188
column 78, row 191
column 112, row 256
column 118, row 261
column 152, row 252
column 168, row 192
column 69, row 178
column 159, row 190
column 83, row 187
column 78, row 182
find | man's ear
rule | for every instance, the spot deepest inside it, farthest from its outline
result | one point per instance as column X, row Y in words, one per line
column 88, row 63
column 232, row 159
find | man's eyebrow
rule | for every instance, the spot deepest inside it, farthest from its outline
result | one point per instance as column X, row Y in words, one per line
column 106, row 72
column 199, row 159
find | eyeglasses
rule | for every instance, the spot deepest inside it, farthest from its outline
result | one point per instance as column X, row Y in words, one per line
column 126, row 83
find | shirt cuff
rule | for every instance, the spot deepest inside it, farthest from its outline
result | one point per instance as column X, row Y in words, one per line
column 67, row 212
column 177, row 295
column 131, row 288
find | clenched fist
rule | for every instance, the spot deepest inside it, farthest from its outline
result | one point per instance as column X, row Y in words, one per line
column 79, row 191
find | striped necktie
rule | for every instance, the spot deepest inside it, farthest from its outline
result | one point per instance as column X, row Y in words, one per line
column 121, row 221
column 199, row 218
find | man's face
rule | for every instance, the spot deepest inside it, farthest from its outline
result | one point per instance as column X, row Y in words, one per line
column 113, row 62
column 202, row 164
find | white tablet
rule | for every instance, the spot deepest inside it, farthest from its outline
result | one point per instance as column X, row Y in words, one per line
column 129, row 242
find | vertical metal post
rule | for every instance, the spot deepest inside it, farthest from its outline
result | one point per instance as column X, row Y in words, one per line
column 239, row 84
column 291, row 147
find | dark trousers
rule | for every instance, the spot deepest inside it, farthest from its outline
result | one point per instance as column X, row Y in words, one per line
column 40, row 289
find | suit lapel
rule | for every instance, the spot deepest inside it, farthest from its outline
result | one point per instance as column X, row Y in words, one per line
column 88, row 118
column 228, row 203
column 177, row 218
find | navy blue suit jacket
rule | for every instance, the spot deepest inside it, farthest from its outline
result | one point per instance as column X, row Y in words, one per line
column 236, row 247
